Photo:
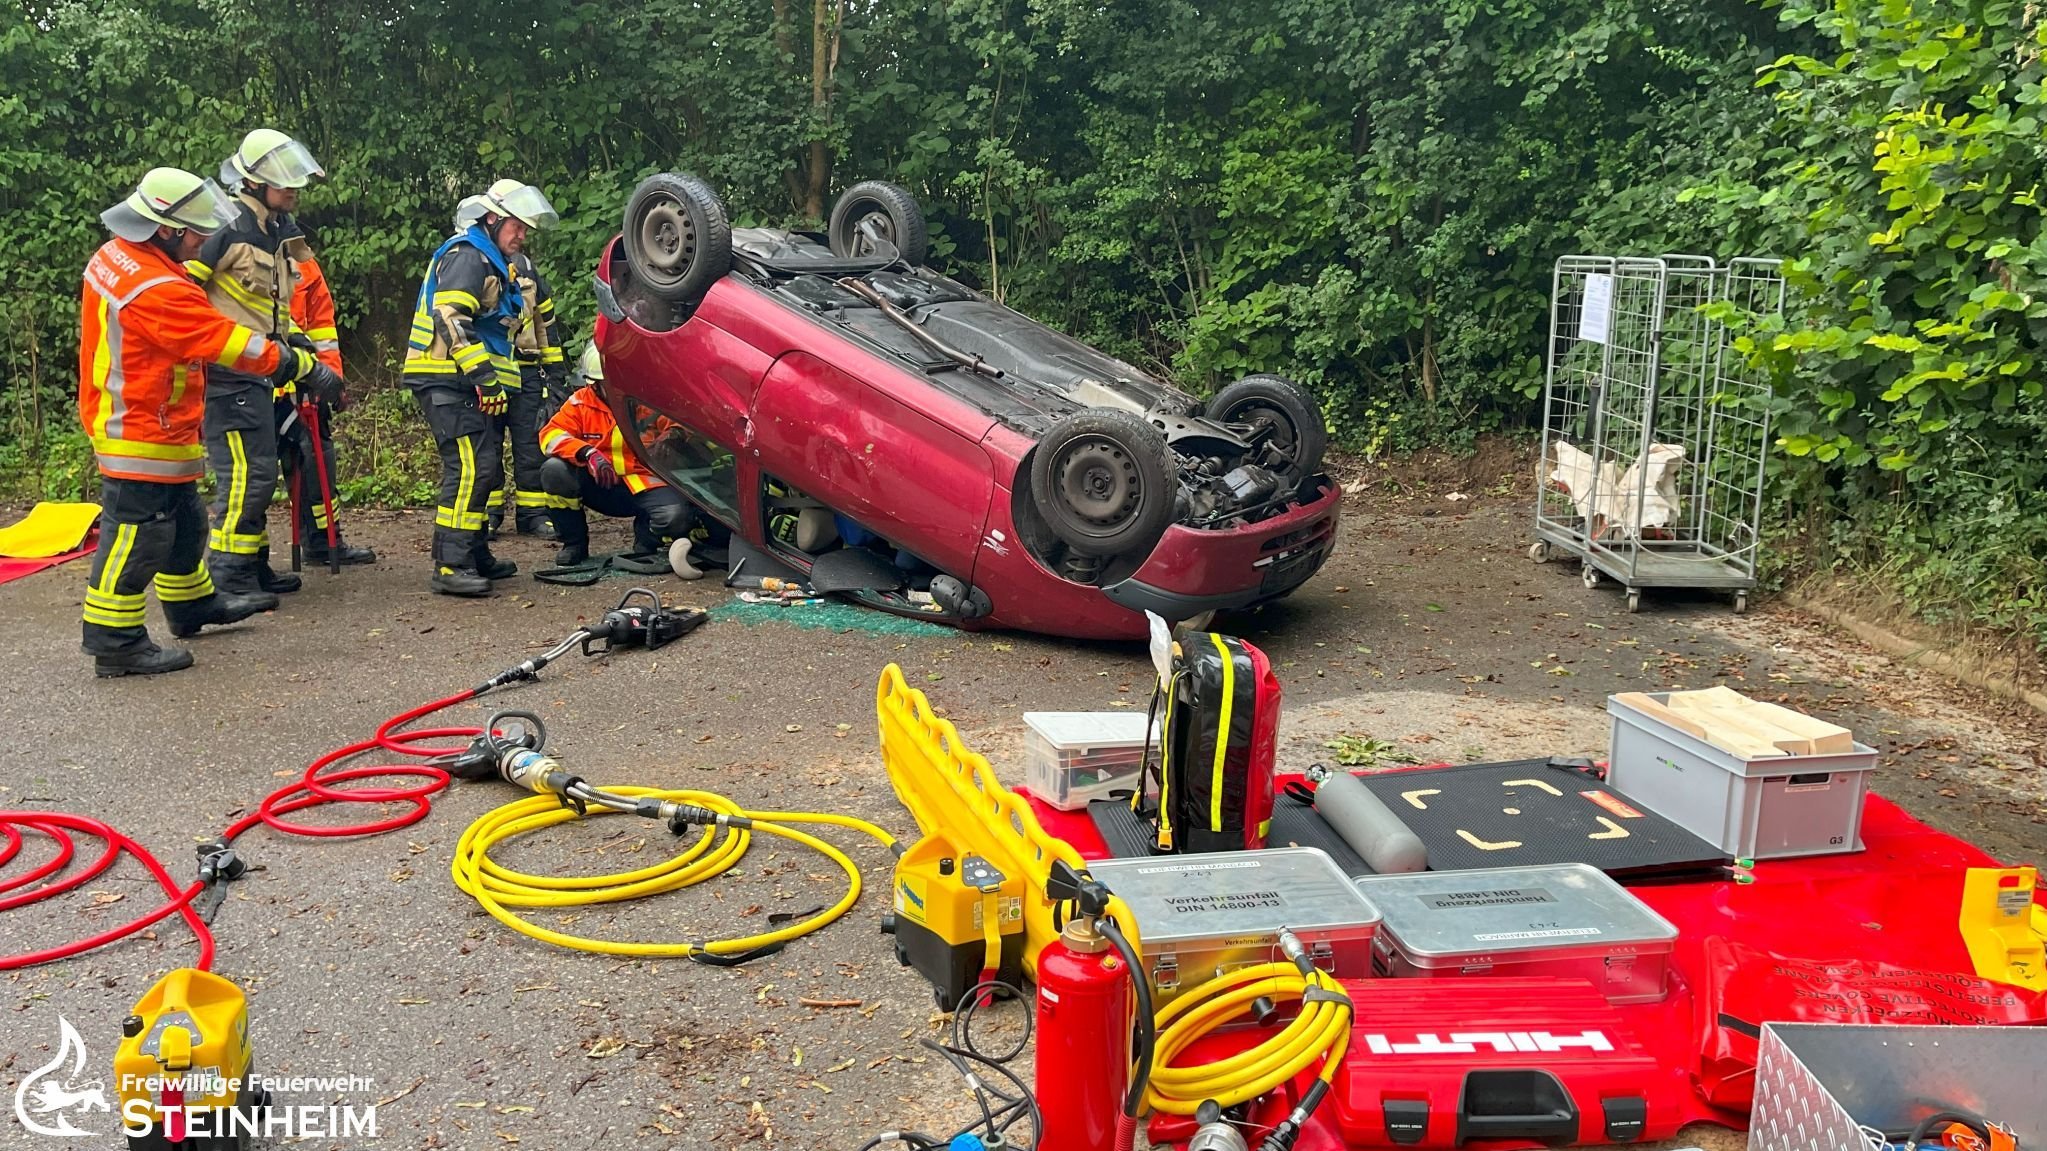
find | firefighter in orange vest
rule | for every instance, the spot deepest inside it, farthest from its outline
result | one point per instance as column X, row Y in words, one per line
column 591, row 463
column 147, row 337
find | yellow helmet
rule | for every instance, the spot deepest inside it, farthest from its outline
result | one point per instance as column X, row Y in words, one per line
column 523, row 202
column 591, row 365
column 268, row 156
column 170, row 198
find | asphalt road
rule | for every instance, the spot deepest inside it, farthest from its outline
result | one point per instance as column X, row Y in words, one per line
column 1431, row 634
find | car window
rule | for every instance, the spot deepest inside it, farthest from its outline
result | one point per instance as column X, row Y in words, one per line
column 699, row 468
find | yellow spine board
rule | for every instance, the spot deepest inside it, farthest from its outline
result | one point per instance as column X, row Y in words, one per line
column 951, row 791
column 2003, row 927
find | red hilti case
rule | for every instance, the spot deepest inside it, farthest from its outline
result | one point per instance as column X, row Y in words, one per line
column 1544, row 1060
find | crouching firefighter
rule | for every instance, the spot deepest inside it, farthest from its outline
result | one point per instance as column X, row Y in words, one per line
column 148, row 338
column 251, row 272
column 460, row 367
column 592, row 463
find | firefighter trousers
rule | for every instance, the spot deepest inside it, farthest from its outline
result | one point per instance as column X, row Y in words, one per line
column 660, row 515
column 149, row 533
column 241, row 447
column 470, row 471
column 521, row 424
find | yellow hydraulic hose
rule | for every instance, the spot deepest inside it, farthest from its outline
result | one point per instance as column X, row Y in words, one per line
column 1321, row 1030
column 500, row 889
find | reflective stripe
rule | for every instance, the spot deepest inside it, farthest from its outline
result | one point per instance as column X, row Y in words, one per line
column 495, row 501
column 568, row 503
column 144, row 450
column 200, row 272
column 237, row 343
column 105, row 606
column 327, row 345
column 257, row 302
column 457, row 299
column 464, row 512
column 551, row 356
column 133, row 468
column 1222, row 733
column 125, row 298
column 184, row 588
column 224, row 538
column 547, row 445
column 107, row 377
column 525, row 499
column 470, row 355
column 180, row 375
column 326, row 333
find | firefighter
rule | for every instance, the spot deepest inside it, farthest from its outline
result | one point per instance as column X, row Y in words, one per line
column 148, row 341
column 460, row 366
column 536, row 345
column 312, row 309
column 591, row 463
column 251, row 271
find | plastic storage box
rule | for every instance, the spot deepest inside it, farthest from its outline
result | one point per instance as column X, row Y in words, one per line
column 1819, row 1084
column 1074, row 757
column 1200, row 916
column 1564, row 920
column 1772, row 808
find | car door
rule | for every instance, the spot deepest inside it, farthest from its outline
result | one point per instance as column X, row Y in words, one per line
column 895, row 456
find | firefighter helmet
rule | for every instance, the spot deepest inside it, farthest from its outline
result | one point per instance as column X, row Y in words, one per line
column 171, row 198
column 268, row 156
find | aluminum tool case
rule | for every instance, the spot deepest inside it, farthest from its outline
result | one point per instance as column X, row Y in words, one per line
column 1567, row 920
column 1199, row 916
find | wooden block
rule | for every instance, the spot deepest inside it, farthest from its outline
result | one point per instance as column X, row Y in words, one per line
column 1733, row 741
column 1802, row 734
column 1729, row 724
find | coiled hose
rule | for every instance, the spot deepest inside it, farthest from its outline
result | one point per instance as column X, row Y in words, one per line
column 728, row 832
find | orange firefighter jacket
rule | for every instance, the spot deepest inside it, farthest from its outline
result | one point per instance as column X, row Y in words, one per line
column 585, row 421
column 312, row 309
column 146, row 334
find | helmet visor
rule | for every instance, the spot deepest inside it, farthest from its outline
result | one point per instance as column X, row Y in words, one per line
column 530, row 205
column 469, row 211
column 205, row 209
column 288, row 165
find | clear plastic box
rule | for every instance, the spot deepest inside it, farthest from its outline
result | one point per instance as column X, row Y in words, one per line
column 1073, row 757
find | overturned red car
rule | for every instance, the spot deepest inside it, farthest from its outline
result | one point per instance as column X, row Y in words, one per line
column 845, row 406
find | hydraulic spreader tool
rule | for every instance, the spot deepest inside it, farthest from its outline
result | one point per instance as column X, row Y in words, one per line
column 185, row 1049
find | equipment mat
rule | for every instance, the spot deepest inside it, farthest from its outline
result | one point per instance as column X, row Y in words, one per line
column 1533, row 812
column 1294, row 824
column 1524, row 813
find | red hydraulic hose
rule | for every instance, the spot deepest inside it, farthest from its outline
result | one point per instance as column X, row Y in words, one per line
column 315, row 788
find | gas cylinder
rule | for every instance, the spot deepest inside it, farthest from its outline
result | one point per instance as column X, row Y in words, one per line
column 1083, row 1039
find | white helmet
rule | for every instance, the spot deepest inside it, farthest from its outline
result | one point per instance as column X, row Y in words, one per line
column 523, row 202
column 268, row 156
column 591, row 365
column 172, row 198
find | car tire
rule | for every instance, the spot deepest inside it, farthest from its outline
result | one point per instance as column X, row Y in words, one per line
column 902, row 221
column 1101, row 480
column 1298, row 429
column 678, row 241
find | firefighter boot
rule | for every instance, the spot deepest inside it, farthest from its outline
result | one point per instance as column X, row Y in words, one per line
column 491, row 567
column 351, row 555
column 234, row 574
column 572, row 555
column 222, row 606
column 536, row 524
column 459, row 581
column 271, row 580
column 147, row 660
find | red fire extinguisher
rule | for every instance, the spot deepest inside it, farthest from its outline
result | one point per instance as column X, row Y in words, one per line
column 1085, row 981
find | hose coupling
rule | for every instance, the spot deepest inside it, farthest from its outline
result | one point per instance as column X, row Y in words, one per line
column 683, row 816
column 1290, row 946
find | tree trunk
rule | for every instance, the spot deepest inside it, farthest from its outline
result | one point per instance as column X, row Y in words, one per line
column 818, row 172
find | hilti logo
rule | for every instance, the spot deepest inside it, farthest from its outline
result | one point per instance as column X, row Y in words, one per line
column 1504, row 1042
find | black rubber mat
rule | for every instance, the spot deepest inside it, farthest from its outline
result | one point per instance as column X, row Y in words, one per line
column 1294, row 824
column 1508, row 808
column 1528, row 813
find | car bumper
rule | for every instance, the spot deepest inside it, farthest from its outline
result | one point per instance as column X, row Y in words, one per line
column 1192, row 570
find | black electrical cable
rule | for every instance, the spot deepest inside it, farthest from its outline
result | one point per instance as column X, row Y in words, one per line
column 989, row 991
column 963, row 1055
column 1925, row 1127
column 1147, row 1034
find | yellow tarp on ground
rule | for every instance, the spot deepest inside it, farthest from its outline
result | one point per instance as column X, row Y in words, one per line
column 49, row 529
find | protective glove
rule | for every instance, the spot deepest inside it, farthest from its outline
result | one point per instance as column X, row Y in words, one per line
column 321, row 383
column 599, row 465
column 294, row 364
column 490, row 394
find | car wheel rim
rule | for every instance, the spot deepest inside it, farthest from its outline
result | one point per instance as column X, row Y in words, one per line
column 1099, row 485
column 668, row 237
column 1260, row 418
column 871, row 226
